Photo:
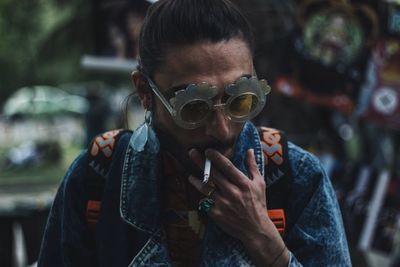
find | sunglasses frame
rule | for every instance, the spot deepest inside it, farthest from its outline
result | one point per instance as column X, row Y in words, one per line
column 204, row 92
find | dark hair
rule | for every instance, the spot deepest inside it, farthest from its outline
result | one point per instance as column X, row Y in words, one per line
column 181, row 22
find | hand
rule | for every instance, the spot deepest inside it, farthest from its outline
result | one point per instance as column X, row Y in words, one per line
column 240, row 204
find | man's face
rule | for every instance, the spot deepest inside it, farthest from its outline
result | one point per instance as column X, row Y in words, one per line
column 218, row 64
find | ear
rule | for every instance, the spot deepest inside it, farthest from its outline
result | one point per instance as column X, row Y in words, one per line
column 143, row 90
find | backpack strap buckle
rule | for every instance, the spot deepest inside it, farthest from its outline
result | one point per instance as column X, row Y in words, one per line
column 277, row 216
column 92, row 212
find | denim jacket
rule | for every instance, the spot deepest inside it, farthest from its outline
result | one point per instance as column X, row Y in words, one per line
column 129, row 230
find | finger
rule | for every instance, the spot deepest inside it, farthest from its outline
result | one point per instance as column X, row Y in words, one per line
column 225, row 187
column 222, row 183
column 200, row 186
column 197, row 158
column 218, row 207
column 222, row 211
column 252, row 166
column 227, row 169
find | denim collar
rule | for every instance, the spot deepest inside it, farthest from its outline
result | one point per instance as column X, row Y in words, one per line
column 141, row 189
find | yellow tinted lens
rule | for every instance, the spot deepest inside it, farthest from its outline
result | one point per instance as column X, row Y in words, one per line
column 243, row 105
column 194, row 111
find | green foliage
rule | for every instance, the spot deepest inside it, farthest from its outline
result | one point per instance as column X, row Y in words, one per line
column 41, row 42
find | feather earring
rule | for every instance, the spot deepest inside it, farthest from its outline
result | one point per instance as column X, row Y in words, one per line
column 145, row 135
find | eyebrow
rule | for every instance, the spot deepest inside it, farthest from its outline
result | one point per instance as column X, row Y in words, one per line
column 171, row 91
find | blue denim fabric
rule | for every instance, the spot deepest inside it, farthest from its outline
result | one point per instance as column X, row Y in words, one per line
column 317, row 237
column 129, row 232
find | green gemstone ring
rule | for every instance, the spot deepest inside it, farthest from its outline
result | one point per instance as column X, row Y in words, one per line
column 205, row 205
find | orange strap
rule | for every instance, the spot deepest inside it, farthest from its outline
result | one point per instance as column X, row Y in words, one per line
column 277, row 216
column 92, row 212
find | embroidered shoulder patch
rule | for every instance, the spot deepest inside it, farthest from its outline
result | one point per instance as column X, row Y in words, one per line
column 101, row 151
column 104, row 143
column 271, row 145
column 274, row 147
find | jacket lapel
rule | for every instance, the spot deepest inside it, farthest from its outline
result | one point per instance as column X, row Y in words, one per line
column 140, row 206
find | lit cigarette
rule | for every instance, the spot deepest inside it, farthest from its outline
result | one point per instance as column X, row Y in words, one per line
column 207, row 169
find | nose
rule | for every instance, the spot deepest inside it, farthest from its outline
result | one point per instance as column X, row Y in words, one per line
column 217, row 125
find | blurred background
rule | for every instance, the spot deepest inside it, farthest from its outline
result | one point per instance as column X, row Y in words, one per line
column 334, row 67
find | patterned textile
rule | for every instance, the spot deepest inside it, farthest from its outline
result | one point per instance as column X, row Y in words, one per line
column 184, row 229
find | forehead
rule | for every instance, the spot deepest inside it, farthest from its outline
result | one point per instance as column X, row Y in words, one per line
column 215, row 63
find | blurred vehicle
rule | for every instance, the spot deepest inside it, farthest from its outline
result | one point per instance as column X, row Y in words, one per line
column 33, row 154
column 42, row 100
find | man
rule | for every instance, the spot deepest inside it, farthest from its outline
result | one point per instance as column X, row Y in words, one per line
column 196, row 76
